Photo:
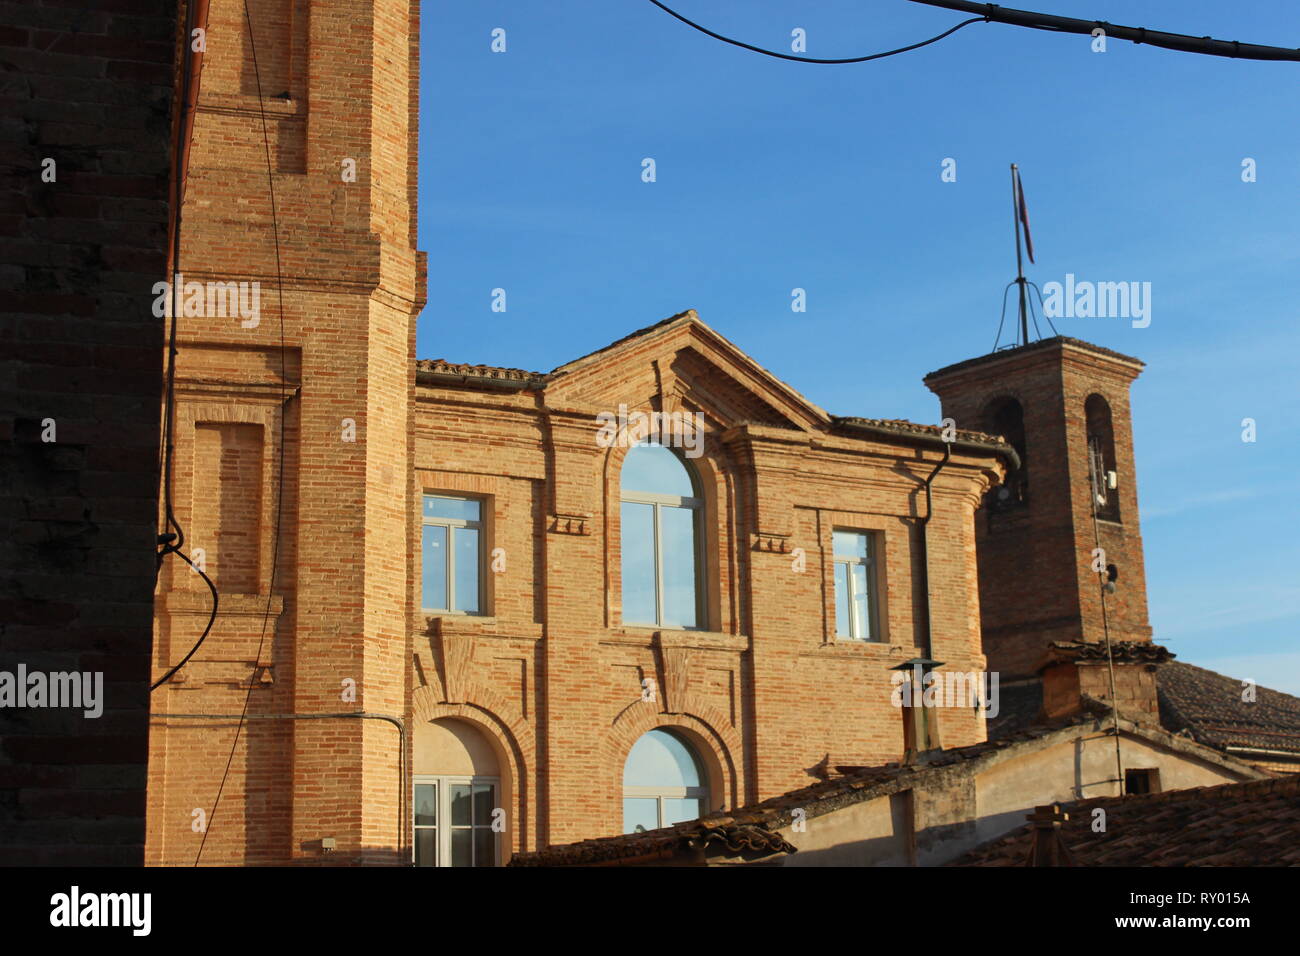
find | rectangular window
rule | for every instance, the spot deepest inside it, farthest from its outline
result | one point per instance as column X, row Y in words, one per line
column 452, row 548
column 855, row 585
column 1141, row 781
column 453, row 821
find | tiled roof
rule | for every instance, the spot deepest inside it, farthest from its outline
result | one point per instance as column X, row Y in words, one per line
column 662, row 844
column 481, row 373
column 1256, row 823
column 1209, row 707
column 903, row 427
column 1032, row 346
column 1122, row 652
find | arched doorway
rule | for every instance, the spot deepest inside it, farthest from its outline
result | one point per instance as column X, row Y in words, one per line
column 663, row 783
column 458, row 799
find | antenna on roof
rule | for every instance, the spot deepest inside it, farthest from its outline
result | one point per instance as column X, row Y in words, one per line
column 1020, row 217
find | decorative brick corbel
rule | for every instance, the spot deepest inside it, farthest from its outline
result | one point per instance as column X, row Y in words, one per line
column 455, row 653
column 675, row 664
column 771, row 541
column 571, row 524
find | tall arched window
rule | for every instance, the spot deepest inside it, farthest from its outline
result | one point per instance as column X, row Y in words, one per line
column 1006, row 417
column 663, row 783
column 660, row 539
column 1101, row 457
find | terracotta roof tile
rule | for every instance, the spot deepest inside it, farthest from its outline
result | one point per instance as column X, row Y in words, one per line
column 732, row 839
column 1209, row 707
column 1256, row 823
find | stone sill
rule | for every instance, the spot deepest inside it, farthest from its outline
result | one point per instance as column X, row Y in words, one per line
column 676, row 637
column 476, row 625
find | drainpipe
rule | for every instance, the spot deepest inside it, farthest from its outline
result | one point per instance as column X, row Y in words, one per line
column 921, row 726
column 925, row 546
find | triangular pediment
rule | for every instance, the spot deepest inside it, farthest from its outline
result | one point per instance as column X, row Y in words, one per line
column 681, row 362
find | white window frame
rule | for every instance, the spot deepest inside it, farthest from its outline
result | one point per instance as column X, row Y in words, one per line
column 442, row 846
column 696, row 507
column 869, row 562
column 660, row 794
column 451, row 524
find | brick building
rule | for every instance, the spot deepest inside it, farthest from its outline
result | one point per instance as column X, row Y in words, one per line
column 469, row 611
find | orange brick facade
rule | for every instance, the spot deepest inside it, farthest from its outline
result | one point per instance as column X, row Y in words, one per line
column 300, row 468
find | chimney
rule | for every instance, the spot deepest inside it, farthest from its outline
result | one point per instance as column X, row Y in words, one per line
column 1075, row 671
column 920, row 723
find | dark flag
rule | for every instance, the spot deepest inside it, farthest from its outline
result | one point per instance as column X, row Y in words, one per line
column 1024, row 215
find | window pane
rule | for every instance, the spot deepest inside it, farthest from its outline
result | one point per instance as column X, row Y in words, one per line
column 680, row 810
column 426, row 804
column 467, row 569
column 485, row 847
column 460, row 847
column 640, row 813
column 483, row 804
column 842, row 600
column 660, row 759
column 465, row 509
column 677, row 539
column 638, row 564
column 460, row 805
column 849, row 544
column 426, row 847
column 435, row 567
column 861, row 602
column 657, row 469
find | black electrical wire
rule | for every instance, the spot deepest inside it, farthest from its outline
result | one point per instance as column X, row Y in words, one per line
column 279, row 497
column 206, row 631
column 808, row 59
column 173, row 542
column 169, row 401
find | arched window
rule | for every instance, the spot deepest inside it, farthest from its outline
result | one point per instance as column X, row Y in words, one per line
column 1006, row 417
column 457, row 793
column 1101, row 457
column 663, row 783
column 660, row 539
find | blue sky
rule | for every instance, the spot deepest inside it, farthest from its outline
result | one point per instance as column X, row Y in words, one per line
column 774, row 175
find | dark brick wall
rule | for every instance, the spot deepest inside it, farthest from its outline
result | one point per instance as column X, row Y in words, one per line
column 1035, row 576
column 88, row 86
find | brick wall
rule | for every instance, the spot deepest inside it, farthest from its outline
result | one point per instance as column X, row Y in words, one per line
column 324, row 377
column 90, row 88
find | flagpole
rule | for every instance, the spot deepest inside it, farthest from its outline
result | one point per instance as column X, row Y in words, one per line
column 1020, row 267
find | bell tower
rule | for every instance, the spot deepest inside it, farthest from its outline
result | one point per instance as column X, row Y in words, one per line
column 1070, row 510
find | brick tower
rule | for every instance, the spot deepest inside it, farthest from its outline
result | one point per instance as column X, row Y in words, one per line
column 1064, row 405
column 293, row 446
